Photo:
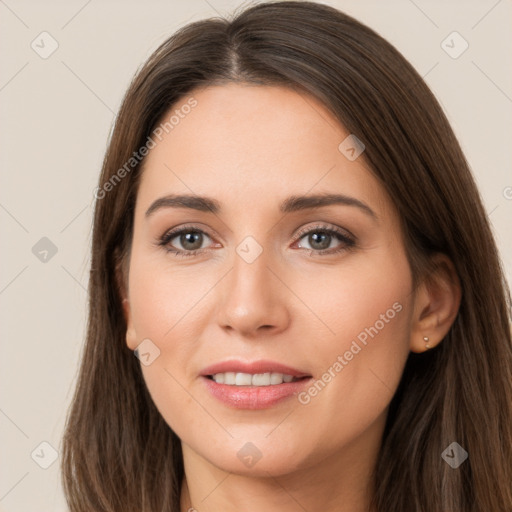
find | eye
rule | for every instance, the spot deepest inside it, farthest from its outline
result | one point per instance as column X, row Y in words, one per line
column 189, row 238
column 320, row 239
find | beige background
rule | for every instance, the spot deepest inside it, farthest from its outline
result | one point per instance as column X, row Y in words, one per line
column 56, row 116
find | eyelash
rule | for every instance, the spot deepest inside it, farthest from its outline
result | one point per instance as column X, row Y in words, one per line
column 341, row 236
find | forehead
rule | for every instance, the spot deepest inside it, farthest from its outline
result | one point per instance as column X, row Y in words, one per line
column 248, row 143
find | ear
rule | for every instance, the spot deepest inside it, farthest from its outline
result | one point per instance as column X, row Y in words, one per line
column 122, row 281
column 131, row 335
column 436, row 304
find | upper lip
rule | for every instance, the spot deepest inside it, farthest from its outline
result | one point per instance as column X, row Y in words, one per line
column 254, row 367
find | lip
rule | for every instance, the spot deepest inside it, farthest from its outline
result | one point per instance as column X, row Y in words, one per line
column 253, row 397
column 262, row 366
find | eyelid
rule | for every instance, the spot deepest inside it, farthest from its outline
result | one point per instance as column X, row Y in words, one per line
column 303, row 231
column 178, row 230
column 184, row 227
column 325, row 227
column 345, row 235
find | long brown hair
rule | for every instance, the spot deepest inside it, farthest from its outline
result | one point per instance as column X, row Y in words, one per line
column 118, row 453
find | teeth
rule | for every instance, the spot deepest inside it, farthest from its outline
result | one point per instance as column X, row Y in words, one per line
column 243, row 379
column 229, row 377
column 248, row 379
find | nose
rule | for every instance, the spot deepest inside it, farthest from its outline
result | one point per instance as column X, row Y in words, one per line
column 253, row 299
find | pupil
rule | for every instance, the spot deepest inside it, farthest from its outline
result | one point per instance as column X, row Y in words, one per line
column 323, row 244
column 191, row 238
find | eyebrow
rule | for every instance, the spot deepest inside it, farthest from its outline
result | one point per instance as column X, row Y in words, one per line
column 289, row 205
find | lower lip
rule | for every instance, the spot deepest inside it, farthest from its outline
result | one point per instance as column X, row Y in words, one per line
column 254, row 397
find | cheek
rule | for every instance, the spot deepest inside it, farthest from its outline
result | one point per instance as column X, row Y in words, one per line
column 367, row 306
column 165, row 299
column 364, row 297
column 166, row 305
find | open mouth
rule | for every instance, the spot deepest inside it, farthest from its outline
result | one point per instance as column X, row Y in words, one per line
column 254, row 379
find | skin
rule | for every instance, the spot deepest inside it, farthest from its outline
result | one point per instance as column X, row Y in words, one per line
column 250, row 147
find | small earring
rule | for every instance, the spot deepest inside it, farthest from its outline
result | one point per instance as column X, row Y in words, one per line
column 425, row 339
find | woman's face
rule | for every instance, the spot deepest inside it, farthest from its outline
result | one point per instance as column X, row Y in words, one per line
column 280, row 284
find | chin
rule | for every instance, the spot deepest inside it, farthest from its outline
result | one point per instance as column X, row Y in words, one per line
column 261, row 457
column 275, row 465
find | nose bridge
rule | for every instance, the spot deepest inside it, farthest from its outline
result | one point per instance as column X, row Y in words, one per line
column 251, row 267
column 252, row 297
column 251, row 274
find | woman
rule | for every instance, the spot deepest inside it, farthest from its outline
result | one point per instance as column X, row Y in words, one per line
column 289, row 239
